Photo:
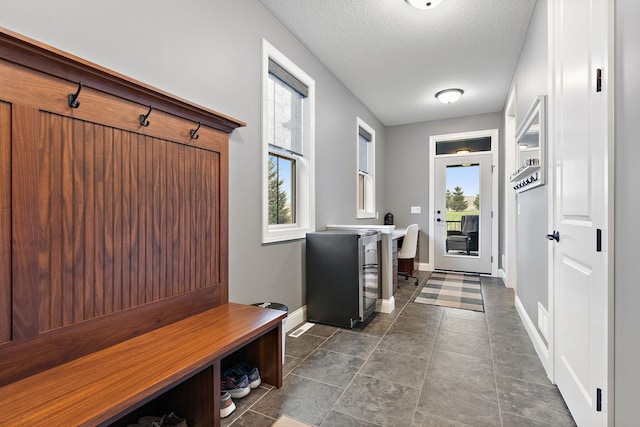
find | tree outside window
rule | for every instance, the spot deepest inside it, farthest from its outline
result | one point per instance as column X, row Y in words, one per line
column 458, row 202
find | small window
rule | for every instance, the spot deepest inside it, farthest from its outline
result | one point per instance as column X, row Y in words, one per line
column 288, row 148
column 365, row 170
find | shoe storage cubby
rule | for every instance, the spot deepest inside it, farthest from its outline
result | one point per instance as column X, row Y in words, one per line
column 194, row 399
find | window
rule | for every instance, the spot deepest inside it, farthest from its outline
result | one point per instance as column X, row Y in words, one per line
column 366, row 189
column 288, row 103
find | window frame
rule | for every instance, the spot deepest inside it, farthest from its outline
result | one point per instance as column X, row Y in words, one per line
column 370, row 177
column 304, row 164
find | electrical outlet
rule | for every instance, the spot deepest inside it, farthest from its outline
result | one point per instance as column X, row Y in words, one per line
column 415, row 209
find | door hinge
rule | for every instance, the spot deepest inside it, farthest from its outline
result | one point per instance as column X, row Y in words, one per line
column 491, row 259
column 492, row 167
column 599, row 80
column 598, row 240
column 491, row 214
column 599, row 399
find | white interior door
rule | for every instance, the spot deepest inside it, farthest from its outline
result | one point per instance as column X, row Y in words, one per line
column 462, row 215
column 580, row 208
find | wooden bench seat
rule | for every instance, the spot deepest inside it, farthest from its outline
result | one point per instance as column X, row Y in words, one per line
column 174, row 368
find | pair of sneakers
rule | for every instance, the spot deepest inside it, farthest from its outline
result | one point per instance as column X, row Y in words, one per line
column 236, row 383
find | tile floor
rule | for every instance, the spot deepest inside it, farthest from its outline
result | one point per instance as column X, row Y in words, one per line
column 418, row 366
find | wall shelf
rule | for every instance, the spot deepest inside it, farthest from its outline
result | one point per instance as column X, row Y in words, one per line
column 528, row 170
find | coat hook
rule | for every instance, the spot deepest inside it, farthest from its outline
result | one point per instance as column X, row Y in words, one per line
column 73, row 97
column 193, row 132
column 143, row 118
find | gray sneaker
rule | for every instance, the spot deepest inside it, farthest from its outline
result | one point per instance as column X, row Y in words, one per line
column 251, row 372
column 226, row 405
column 235, row 383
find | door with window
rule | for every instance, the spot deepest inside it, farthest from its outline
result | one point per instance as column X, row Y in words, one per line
column 462, row 217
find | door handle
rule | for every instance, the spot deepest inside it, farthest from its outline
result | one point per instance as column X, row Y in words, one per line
column 438, row 219
column 555, row 236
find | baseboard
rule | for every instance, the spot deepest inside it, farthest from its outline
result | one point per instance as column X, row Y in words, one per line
column 424, row 266
column 299, row 316
column 385, row 305
column 534, row 336
column 295, row 318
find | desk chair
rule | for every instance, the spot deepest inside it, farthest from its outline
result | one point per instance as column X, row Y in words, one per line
column 408, row 253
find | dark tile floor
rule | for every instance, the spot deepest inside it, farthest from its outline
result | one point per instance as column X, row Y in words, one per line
column 418, row 366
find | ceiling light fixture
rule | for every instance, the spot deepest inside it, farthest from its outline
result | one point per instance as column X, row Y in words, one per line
column 448, row 96
column 424, row 4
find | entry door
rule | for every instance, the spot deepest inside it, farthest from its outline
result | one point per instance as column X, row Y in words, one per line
column 463, row 212
column 580, row 208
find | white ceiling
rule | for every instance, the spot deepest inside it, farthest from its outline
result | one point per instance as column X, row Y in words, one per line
column 394, row 57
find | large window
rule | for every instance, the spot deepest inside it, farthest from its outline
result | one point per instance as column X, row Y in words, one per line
column 288, row 148
column 366, row 187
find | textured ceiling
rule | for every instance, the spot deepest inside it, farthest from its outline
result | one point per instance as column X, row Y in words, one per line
column 394, row 57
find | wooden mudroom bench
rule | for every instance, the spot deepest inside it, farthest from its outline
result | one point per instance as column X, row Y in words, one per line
column 114, row 229
column 173, row 368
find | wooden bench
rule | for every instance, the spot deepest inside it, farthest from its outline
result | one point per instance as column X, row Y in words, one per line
column 174, row 368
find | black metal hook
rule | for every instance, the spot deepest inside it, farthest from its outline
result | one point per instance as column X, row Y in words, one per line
column 73, row 97
column 194, row 132
column 143, row 118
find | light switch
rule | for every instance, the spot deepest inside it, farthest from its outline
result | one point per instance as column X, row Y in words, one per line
column 415, row 209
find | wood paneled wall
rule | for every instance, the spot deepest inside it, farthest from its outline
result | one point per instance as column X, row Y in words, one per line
column 124, row 220
column 108, row 228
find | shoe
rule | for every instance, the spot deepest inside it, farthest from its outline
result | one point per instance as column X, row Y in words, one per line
column 226, row 405
column 235, row 383
column 172, row 420
column 151, row 421
column 251, row 372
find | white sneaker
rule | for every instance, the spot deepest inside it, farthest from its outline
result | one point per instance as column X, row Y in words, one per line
column 226, row 405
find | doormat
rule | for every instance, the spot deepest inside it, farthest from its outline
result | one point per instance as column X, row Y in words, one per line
column 448, row 289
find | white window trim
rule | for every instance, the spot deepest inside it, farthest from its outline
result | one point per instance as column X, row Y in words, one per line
column 305, row 165
column 360, row 213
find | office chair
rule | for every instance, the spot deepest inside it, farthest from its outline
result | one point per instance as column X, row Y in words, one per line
column 407, row 253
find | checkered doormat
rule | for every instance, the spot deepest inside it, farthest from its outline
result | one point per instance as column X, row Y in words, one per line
column 457, row 290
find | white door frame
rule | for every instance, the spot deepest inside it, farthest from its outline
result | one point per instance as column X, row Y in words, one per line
column 494, row 134
column 510, row 262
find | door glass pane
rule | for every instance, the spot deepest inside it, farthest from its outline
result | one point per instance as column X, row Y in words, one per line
column 463, row 209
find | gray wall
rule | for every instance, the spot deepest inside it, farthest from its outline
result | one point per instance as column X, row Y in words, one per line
column 408, row 163
column 627, row 206
column 530, row 81
column 210, row 53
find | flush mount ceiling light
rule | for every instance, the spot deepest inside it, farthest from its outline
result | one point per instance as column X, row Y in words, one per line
column 448, row 96
column 424, row 4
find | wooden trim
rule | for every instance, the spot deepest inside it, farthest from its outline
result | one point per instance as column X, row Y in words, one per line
column 38, row 56
column 5, row 222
